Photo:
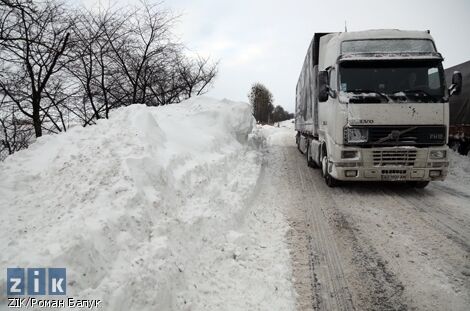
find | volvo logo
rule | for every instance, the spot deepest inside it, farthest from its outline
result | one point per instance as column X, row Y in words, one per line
column 361, row 121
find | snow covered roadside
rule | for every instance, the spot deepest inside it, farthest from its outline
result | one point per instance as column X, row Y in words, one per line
column 459, row 169
column 149, row 210
column 281, row 134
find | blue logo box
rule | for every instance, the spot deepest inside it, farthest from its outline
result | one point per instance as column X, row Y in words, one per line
column 32, row 281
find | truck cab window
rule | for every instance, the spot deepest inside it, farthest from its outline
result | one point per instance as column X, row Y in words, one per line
column 433, row 78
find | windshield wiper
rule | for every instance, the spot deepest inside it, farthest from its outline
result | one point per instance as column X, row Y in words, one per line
column 370, row 92
column 426, row 94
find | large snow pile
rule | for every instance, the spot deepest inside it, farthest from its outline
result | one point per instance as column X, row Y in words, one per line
column 149, row 210
column 279, row 134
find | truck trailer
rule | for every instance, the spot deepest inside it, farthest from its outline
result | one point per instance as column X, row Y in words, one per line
column 459, row 111
column 374, row 106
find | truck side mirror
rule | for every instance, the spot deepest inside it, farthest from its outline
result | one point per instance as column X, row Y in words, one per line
column 322, row 86
column 456, row 87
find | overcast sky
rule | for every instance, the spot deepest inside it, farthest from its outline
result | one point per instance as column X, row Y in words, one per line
column 266, row 40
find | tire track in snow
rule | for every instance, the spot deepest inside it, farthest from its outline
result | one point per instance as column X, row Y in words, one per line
column 375, row 283
column 417, row 263
column 329, row 283
column 369, row 283
column 454, row 228
column 299, row 238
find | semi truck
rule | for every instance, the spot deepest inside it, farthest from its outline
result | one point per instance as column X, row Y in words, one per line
column 459, row 111
column 374, row 106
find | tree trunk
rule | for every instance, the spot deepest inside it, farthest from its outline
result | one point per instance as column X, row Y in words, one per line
column 36, row 116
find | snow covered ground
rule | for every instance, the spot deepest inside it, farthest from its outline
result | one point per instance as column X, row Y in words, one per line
column 150, row 210
column 281, row 134
column 459, row 172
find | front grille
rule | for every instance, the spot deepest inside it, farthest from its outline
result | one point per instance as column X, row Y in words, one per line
column 394, row 157
column 403, row 135
column 414, row 135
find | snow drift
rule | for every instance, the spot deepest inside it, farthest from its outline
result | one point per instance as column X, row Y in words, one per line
column 149, row 210
column 281, row 134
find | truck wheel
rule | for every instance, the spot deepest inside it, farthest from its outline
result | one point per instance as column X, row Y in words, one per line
column 419, row 184
column 324, row 169
column 329, row 180
column 310, row 161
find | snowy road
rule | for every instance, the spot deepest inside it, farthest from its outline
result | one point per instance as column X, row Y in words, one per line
column 371, row 246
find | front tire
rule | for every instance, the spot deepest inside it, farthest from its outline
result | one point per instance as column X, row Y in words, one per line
column 324, row 168
column 329, row 180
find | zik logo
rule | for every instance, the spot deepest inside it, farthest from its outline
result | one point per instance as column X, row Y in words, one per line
column 34, row 281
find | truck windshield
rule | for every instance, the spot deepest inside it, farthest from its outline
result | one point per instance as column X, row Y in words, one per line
column 390, row 81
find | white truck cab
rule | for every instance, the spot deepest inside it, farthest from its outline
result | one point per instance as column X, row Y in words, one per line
column 373, row 105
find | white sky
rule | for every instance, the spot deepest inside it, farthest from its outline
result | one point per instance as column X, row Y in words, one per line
column 266, row 40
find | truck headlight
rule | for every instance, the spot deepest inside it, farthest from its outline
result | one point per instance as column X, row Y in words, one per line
column 357, row 135
column 437, row 154
column 349, row 154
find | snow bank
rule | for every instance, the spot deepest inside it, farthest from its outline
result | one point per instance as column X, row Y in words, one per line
column 281, row 134
column 148, row 210
column 459, row 172
column 459, row 167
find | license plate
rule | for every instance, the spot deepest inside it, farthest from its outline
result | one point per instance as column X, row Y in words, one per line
column 393, row 177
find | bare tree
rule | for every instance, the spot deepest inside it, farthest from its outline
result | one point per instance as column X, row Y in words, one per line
column 143, row 38
column 60, row 66
column 34, row 38
column 15, row 133
column 94, row 65
column 196, row 76
column 152, row 64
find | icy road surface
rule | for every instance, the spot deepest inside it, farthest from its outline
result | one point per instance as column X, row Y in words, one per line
column 371, row 246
